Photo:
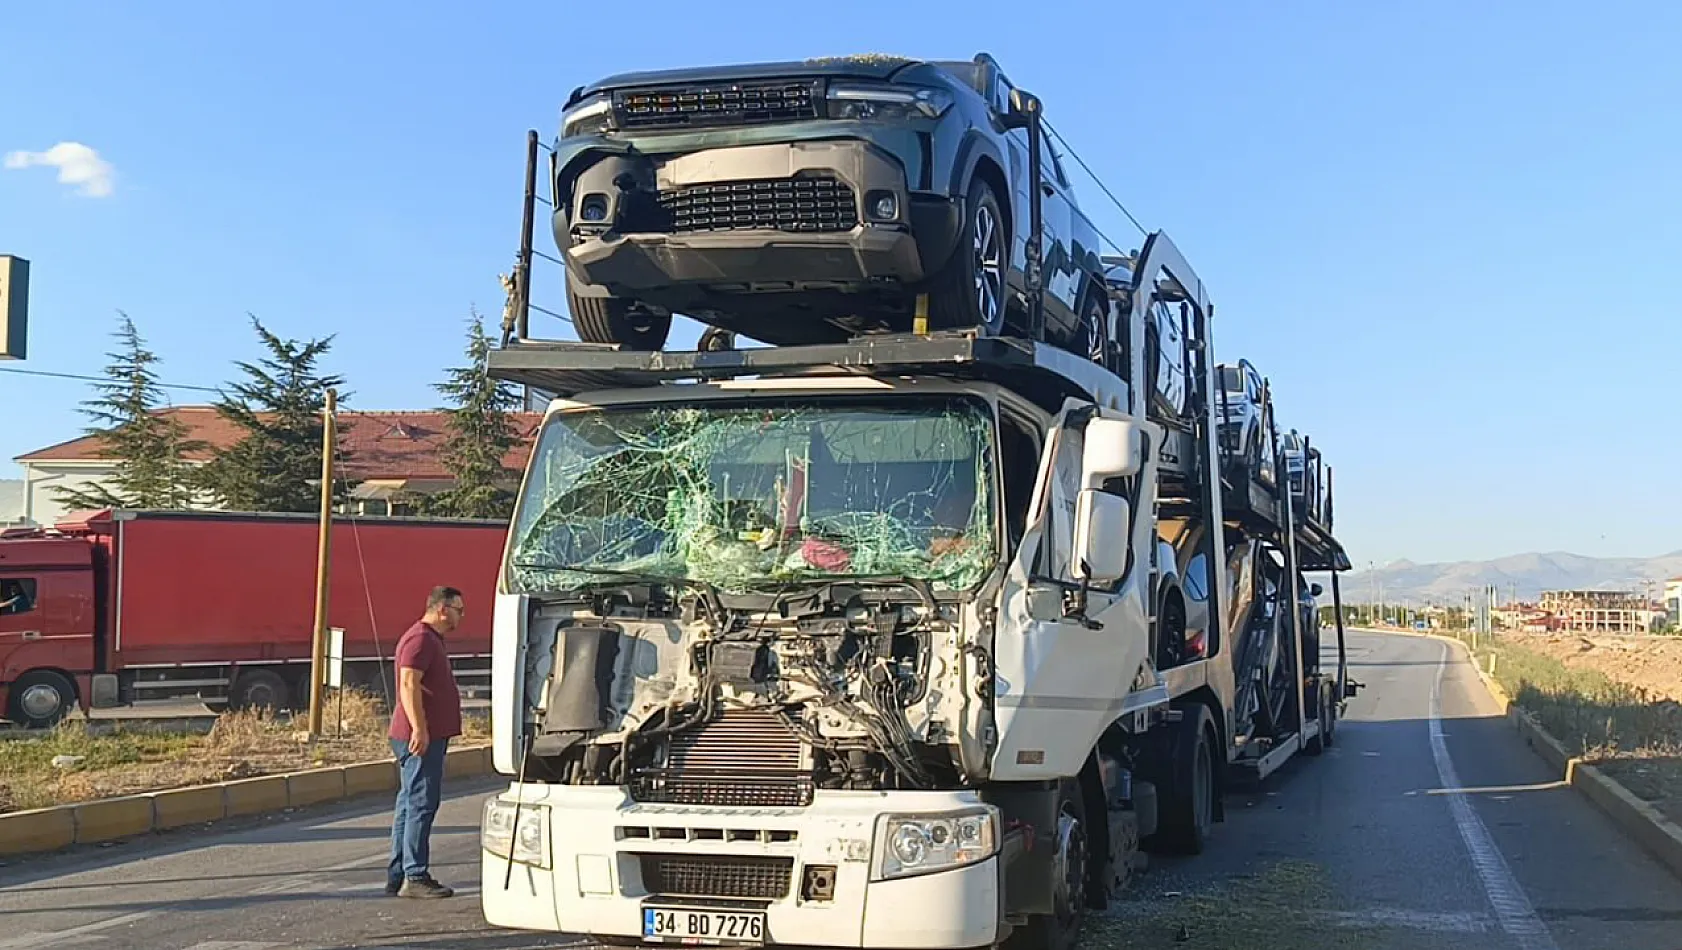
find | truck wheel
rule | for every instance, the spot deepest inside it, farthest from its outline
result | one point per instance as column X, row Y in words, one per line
column 41, row 699
column 260, row 689
column 1060, row 929
column 1187, row 812
column 617, row 320
column 970, row 290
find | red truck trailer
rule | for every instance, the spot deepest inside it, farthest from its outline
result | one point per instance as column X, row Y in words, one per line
column 120, row 606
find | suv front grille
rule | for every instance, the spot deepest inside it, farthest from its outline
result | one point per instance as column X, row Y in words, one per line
column 745, row 877
column 715, row 104
column 813, row 203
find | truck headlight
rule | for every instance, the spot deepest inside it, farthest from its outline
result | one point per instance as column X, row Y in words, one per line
column 919, row 844
column 591, row 116
column 872, row 101
column 502, row 835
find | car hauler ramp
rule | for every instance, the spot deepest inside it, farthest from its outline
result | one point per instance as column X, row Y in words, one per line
column 1039, row 371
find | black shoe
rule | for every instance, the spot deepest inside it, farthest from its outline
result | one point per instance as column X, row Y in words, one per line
column 392, row 886
column 424, row 887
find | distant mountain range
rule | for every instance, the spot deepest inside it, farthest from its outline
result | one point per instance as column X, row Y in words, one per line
column 1523, row 576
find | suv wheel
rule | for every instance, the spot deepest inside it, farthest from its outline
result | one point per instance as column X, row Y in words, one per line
column 970, row 290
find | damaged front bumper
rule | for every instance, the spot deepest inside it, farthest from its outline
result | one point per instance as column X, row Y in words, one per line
column 830, row 875
column 779, row 216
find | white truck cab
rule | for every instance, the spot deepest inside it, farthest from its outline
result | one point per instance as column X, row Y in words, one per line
column 774, row 658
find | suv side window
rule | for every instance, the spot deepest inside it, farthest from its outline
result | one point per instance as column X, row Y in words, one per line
column 1051, row 166
column 17, row 595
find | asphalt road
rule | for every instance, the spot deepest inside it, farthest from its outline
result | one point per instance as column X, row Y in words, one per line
column 1428, row 825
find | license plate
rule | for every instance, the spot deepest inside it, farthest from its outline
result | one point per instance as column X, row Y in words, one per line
column 700, row 925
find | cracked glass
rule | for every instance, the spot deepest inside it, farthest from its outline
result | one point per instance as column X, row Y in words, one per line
column 755, row 496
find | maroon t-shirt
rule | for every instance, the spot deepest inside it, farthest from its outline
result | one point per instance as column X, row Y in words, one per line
column 422, row 648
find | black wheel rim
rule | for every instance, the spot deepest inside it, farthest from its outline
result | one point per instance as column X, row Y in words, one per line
column 988, row 241
column 1095, row 349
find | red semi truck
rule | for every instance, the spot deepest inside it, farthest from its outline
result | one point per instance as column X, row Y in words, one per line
column 117, row 607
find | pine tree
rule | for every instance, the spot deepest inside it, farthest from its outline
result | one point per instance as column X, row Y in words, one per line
column 479, row 435
column 150, row 450
column 276, row 465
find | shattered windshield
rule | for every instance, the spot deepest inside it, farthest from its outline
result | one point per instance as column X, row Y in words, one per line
column 754, row 496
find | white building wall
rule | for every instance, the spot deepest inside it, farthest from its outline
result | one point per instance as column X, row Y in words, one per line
column 41, row 479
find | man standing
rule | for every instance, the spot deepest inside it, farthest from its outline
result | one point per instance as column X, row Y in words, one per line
column 427, row 717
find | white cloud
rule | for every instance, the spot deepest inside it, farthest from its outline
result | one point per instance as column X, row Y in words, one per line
column 76, row 163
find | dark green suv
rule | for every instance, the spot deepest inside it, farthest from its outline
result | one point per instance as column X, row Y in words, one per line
column 814, row 201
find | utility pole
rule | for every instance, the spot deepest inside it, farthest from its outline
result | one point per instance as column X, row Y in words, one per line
column 323, row 562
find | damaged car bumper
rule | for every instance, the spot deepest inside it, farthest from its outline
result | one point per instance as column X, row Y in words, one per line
column 773, row 216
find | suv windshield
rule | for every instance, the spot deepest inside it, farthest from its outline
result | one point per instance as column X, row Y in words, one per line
column 760, row 495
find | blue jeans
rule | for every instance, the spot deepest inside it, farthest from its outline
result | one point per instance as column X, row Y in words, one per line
column 420, row 788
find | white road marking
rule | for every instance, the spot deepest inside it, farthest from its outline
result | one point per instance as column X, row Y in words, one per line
column 232, row 945
column 1512, row 908
column 72, row 935
column 30, row 938
column 87, row 932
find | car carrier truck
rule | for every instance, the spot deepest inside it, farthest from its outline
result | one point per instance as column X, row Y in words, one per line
column 859, row 644
column 914, row 639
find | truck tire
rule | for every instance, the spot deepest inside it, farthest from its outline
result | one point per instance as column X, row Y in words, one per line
column 40, row 699
column 1060, row 929
column 970, row 290
column 1186, row 812
column 617, row 320
column 260, row 689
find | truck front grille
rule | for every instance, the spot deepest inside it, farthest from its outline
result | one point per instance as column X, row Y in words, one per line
column 814, row 203
column 744, row 758
column 745, row 877
column 716, row 104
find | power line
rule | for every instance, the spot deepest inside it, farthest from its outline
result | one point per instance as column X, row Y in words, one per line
column 1070, row 151
column 100, row 379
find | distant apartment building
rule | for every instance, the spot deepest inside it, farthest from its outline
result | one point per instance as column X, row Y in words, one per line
column 1600, row 611
column 1673, row 601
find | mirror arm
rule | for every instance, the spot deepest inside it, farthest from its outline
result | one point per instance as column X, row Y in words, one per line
column 1075, row 604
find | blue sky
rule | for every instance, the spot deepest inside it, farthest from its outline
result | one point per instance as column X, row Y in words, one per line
column 1446, row 234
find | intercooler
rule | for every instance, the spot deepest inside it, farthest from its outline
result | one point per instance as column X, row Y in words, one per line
column 743, row 758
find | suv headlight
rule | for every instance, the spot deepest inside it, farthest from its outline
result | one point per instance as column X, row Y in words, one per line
column 526, row 841
column 919, row 844
column 869, row 101
column 592, row 116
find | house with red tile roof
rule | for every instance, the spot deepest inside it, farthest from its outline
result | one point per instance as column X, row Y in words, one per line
column 390, row 455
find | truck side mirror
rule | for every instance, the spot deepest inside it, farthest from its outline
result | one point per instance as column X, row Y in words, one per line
column 1101, row 537
column 1315, row 590
column 1113, row 448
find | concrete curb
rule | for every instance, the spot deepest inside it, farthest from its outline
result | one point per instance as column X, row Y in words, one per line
column 112, row 819
column 1661, row 837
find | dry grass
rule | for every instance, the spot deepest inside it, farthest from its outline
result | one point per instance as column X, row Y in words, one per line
column 241, row 745
column 1634, row 733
